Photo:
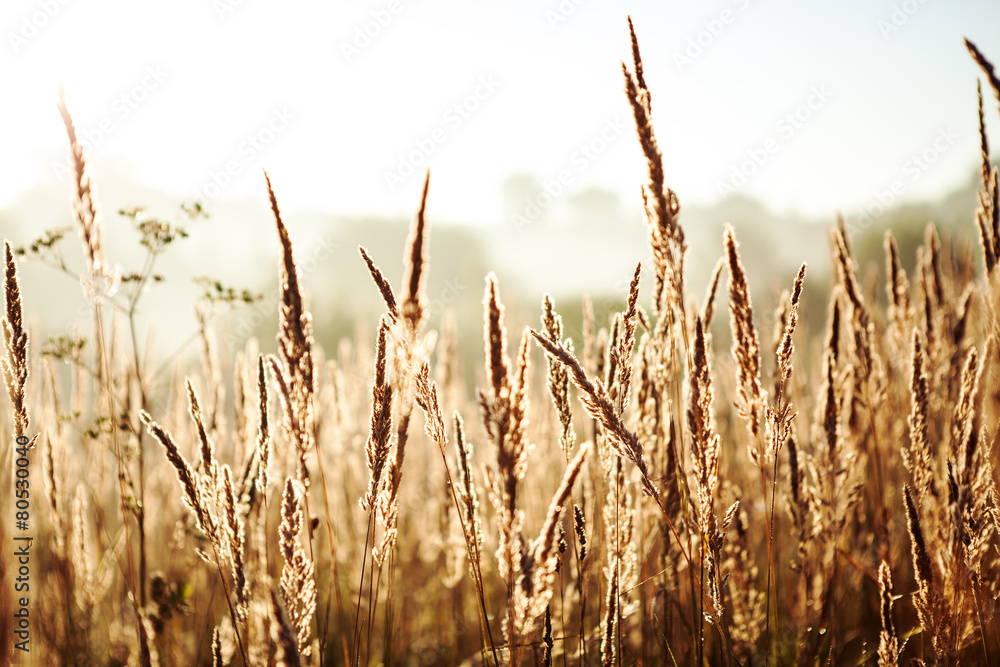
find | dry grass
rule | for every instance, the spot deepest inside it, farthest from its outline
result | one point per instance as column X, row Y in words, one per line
column 652, row 501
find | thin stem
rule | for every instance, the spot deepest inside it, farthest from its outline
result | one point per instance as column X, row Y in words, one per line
column 104, row 365
column 229, row 603
column 770, row 562
column 333, row 555
column 387, row 631
column 472, row 545
column 361, row 588
column 140, row 510
column 618, row 547
column 372, row 606
column 312, row 556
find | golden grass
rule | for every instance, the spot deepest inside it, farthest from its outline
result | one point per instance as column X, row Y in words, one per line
column 605, row 539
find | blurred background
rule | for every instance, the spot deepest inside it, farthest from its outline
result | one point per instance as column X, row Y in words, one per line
column 772, row 115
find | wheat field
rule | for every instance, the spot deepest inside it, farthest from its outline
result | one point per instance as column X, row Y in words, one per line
column 658, row 490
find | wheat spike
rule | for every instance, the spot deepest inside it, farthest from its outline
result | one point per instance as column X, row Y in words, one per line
column 293, row 368
column 746, row 348
column 598, row 404
column 546, row 557
column 986, row 66
column 888, row 641
column 298, row 589
column 84, row 204
column 15, row 363
column 377, row 448
column 384, row 288
column 414, row 261
column 185, row 475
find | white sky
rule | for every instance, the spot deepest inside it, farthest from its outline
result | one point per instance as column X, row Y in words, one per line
column 224, row 77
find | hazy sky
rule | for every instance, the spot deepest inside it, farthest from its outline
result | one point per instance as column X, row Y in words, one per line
column 808, row 106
